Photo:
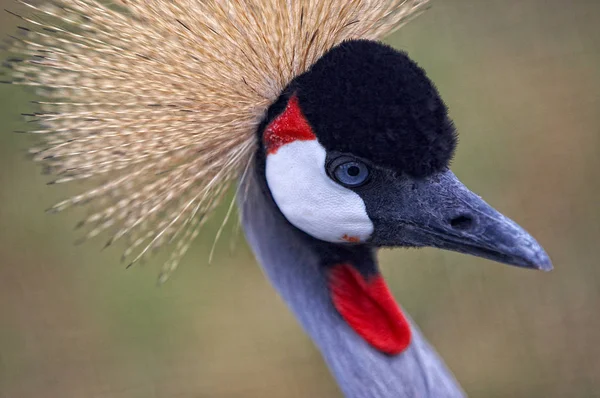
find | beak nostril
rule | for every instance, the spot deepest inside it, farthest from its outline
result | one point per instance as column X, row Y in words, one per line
column 462, row 222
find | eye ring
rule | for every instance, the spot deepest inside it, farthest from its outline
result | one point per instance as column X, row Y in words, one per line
column 349, row 172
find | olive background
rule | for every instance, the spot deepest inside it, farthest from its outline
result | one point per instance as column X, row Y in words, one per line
column 522, row 81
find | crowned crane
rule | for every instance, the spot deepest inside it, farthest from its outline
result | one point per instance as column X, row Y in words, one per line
column 339, row 145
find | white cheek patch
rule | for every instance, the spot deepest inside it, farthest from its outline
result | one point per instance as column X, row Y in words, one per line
column 310, row 200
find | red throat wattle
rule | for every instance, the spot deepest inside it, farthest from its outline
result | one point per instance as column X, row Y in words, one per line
column 367, row 305
column 288, row 127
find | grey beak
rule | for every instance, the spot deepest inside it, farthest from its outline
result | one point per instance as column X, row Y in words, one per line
column 441, row 212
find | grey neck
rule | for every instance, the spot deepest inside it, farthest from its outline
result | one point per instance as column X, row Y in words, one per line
column 294, row 266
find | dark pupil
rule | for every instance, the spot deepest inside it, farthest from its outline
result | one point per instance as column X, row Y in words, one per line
column 353, row 171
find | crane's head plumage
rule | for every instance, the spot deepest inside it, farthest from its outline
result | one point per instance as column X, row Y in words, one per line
column 158, row 105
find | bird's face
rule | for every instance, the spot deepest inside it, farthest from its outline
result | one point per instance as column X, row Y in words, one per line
column 357, row 152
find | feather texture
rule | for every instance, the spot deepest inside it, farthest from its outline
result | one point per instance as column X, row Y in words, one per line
column 157, row 102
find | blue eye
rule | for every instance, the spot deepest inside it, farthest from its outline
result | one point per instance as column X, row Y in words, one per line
column 351, row 174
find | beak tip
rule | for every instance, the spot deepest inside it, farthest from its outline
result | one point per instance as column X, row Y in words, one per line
column 542, row 262
column 545, row 266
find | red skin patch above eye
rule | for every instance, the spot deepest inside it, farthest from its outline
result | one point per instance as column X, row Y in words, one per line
column 288, row 127
column 367, row 305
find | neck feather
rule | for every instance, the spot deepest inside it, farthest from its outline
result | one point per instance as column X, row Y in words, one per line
column 293, row 262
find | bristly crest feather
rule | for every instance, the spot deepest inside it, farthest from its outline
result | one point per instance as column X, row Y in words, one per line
column 158, row 101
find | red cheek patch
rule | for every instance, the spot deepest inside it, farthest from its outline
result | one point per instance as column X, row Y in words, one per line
column 368, row 307
column 351, row 239
column 288, row 127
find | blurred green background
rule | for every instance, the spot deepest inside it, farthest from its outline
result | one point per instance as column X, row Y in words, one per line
column 522, row 80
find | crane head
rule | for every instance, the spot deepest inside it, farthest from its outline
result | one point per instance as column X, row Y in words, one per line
column 357, row 151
